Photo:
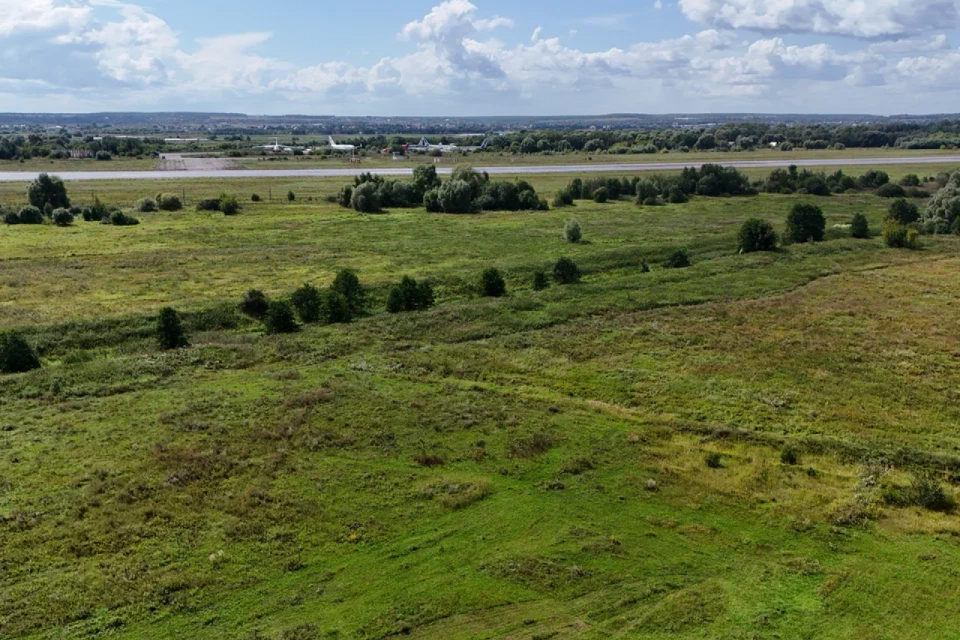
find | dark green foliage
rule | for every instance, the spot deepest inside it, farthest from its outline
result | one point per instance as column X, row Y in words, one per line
column 170, row 331
column 873, row 179
column 146, row 205
column 62, row 218
column 48, row 191
column 120, row 219
column 716, row 180
column 345, row 196
column 713, row 460
column 900, row 236
column 169, row 202
column 652, row 202
column 425, row 179
column 16, row 354
column 348, row 285
column 675, row 195
column 431, row 201
column 791, row 180
column 891, row 190
column 903, row 212
column 806, row 222
column 254, row 304
column 456, row 196
column 229, row 204
column 410, row 295
column 98, row 211
column 366, row 198
column 255, row 198
column 563, row 198
column 308, row 303
column 336, row 308
column 646, row 189
column 291, row 196
column 492, row 284
column 859, row 227
column 925, row 491
column 601, row 195
column 9, row 217
column 209, row 204
column 678, row 259
column 540, row 281
column 910, row 180
column 566, row 271
column 757, row 235
column 30, row 215
column 644, row 267
column 279, row 318
column 572, row 232
column 790, row 455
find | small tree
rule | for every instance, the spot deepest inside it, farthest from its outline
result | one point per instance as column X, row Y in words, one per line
column 456, row 196
column 279, row 318
column 345, row 197
column 806, row 222
column 410, row 295
column 308, row 303
column 254, row 304
column 229, row 204
column 62, row 218
column 336, row 308
column 566, row 271
column 572, row 232
column 366, row 198
column 757, row 235
column 16, row 354
column 859, row 227
column 678, row 259
column 540, row 281
column 601, row 195
column 891, row 190
column 492, row 284
column 900, row 236
column 48, row 190
column 255, row 198
column 170, row 331
column 903, row 211
column 348, row 285
column 291, row 196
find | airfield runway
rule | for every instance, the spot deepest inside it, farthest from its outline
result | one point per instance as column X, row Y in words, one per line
column 187, row 174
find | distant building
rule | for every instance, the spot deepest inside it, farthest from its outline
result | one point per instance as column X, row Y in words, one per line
column 80, row 153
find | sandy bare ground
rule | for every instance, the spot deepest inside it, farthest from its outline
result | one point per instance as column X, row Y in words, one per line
column 181, row 162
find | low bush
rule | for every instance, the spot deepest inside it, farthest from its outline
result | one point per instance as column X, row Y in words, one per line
column 229, row 204
column 336, row 308
column 900, row 236
column 254, row 304
column 365, row 198
column 16, row 354
column 806, row 222
column 790, row 456
column 169, row 202
column 891, row 190
column 308, row 303
column 903, row 212
column 347, row 284
column 572, row 232
column 120, row 219
column 170, row 333
column 30, row 215
column 209, row 204
column 492, row 284
column 291, row 196
column 146, row 205
column 62, row 218
column 757, row 235
column 925, row 491
column 713, row 460
column 279, row 318
column 10, row 217
column 255, row 198
column 679, row 259
column 910, row 180
column 410, row 295
column 540, row 281
column 566, row 271
column 601, row 195
column 859, row 227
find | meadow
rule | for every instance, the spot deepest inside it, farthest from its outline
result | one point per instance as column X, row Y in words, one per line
column 708, row 452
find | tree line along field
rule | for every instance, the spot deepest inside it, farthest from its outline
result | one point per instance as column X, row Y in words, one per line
column 713, row 451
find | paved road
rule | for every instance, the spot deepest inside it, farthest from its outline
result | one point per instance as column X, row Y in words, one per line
column 78, row 176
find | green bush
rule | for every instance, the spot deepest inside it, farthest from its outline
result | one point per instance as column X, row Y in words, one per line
column 859, row 227
column 16, row 354
column 345, row 197
column 790, row 455
column 410, row 295
column 713, row 460
column 95, row 212
column 601, row 195
column 48, row 191
column 347, row 284
column 169, row 202
column 279, row 318
column 903, row 212
column 229, row 204
column 10, row 217
column 254, row 304
column 927, row 492
column 170, row 331
column 62, row 218
column 900, row 236
column 540, row 281
column 652, row 202
column 147, row 205
column 891, row 190
column 492, row 284
column 679, row 259
column 873, row 179
column 677, row 196
column 291, row 196
column 120, row 219
column 456, row 196
column 366, row 198
column 566, row 271
column 431, row 201
column 806, row 222
column 308, row 303
column 910, row 180
column 255, row 198
column 336, row 308
column 572, row 232
column 30, row 215
column 757, row 235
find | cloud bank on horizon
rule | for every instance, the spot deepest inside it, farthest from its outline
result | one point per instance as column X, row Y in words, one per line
column 739, row 55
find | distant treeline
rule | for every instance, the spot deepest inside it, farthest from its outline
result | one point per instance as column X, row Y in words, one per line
column 34, row 145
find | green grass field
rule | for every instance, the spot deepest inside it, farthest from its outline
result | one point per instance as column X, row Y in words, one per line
column 529, row 467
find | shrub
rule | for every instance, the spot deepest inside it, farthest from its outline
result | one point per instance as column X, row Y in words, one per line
column 209, row 204
column 366, row 198
column 540, row 281
column 47, row 191
column 30, row 215
column 170, row 331
column 410, row 295
column 347, row 284
column 255, row 198
column 95, row 212
column 169, row 202
column 900, row 236
column 572, row 232
column 492, row 284
column 291, row 196
column 859, row 227
column 336, row 308
column 16, row 354
column 678, row 259
column 229, row 204
column 103, row 156
column 891, row 190
column 713, row 460
column 652, row 202
column 566, row 271
column 677, row 196
column 62, row 218
column 873, row 179
column 756, row 235
column 345, row 197
column 254, row 304
column 903, row 212
column 308, row 303
column 11, row 218
column 119, row 219
column 279, row 318
column 806, row 222
column 910, row 180
column 927, row 492
column 601, row 195
column 456, row 196
column 564, row 198
column 148, row 205
column 431, row 201
column 790, row 455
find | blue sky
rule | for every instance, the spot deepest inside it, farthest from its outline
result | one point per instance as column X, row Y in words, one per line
column 480, row 57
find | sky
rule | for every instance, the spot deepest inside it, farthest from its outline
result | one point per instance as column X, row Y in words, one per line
column 480, row 57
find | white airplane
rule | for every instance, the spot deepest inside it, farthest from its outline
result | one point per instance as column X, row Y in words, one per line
column 424, row 146
column 275, row 147
column 341, row 147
